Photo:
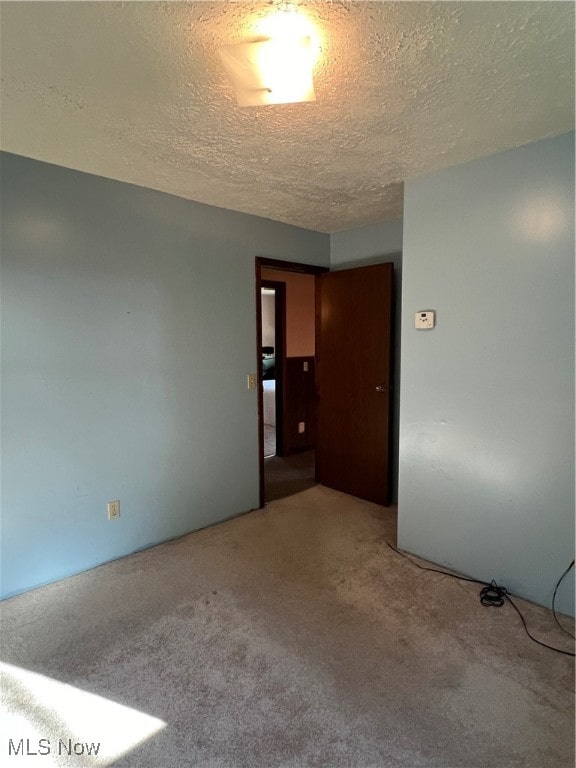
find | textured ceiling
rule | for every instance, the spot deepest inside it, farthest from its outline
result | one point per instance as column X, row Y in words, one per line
column 136, row 91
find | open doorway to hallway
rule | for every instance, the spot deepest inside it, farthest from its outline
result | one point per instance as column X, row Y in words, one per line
column 287, row 323
column 273, row 296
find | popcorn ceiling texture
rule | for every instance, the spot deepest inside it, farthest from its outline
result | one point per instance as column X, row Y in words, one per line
column 136, row 92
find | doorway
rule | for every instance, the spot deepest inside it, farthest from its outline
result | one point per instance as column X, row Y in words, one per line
column 286, row 317
column 337, row 400
column 272, row 352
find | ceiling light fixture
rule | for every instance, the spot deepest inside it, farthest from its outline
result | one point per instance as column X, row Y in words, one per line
column 278, row 68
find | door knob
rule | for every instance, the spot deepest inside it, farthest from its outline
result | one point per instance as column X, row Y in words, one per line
column 381, row 388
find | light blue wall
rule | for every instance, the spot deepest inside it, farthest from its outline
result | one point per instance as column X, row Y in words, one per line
column 128, row 328
column 374, row 244
column 487, row 397
column 366, row 245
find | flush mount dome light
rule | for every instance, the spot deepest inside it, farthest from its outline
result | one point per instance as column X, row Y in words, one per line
column 278, row 69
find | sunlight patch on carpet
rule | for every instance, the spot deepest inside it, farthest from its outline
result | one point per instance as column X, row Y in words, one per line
column 65, row 725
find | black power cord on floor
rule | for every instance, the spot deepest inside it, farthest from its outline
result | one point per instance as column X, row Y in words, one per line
column 560, row 580
column 494, row 595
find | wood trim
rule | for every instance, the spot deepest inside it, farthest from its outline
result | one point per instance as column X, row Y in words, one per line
column 280, row 339
column 290, row 266
column 318, row 307
column 260, row 394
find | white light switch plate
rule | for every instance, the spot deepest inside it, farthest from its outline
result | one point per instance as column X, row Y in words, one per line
column 424, row 319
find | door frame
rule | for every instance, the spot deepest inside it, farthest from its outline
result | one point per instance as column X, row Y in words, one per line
column 284, row 266
column 280, row 353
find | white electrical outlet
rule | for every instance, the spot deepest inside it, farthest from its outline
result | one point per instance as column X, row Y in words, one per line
column 425, row 319
column 113, row 510
column 251, row 381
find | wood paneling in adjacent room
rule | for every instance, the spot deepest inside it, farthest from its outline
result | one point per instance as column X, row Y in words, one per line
column 299, row 404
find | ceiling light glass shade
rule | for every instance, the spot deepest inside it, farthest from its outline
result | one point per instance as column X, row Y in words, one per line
column 274, row 71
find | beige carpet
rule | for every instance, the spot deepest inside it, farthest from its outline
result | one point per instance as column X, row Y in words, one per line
column 269, row 440
column 293, row 637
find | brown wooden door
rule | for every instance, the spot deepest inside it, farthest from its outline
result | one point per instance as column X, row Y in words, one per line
column 354, row 381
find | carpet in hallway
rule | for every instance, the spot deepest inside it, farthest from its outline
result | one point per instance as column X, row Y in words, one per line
column 286, row 475
column 269, row 440
column 291, row 637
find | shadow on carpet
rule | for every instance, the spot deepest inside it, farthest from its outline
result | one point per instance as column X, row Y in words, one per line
column 287, row 475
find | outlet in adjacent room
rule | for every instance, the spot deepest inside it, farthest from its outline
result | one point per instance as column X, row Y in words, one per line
column 113, row 510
